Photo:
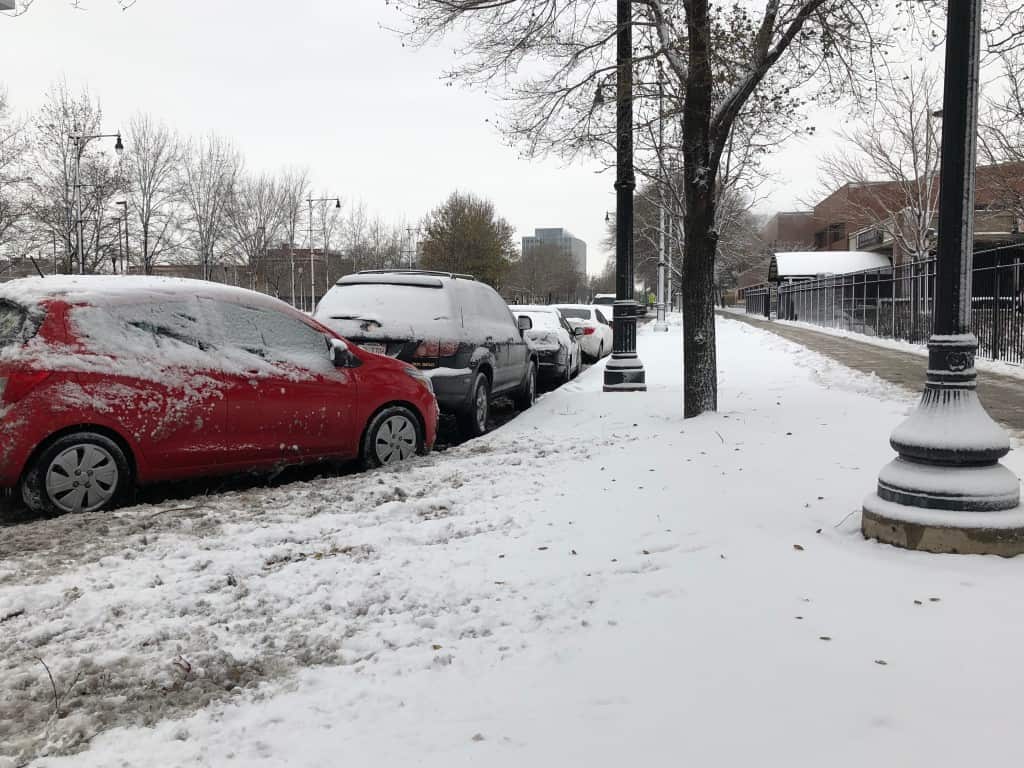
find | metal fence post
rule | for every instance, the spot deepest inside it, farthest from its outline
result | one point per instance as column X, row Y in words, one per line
column 892, row 298
column 996, row 312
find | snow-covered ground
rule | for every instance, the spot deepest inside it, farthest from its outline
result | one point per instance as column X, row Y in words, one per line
column 598, row 583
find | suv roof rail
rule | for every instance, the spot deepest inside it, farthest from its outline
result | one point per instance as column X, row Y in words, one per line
column 414, row 272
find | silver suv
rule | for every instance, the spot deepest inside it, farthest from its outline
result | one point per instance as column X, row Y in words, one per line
column 453, row 327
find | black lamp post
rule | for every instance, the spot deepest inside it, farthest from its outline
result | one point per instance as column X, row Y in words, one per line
column 947, row 491
column 624, row 372
column 126, row 265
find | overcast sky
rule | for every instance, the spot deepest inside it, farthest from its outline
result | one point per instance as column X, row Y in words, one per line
column 318, row 83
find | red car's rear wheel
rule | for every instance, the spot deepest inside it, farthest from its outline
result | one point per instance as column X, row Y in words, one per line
column 80, row 472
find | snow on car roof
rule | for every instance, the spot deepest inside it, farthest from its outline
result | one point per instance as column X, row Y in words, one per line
column 393, row 278
column 533, row 308
column 811, row 263
column 85, row 288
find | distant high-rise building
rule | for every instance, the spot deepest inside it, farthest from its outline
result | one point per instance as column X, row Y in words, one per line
column 561, row 239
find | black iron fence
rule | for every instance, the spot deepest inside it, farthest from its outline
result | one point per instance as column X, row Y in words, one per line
column 899, row 303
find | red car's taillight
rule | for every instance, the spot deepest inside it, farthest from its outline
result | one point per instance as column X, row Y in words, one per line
column 16, row 385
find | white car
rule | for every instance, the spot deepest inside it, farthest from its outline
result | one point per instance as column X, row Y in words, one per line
column 555, row 342
column 595, row 320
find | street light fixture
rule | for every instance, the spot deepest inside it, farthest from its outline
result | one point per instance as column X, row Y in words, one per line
column 947, row 491
column 624, row 372
column 80, row 140
column 312, row 269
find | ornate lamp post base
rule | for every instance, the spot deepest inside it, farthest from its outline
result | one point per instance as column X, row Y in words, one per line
column 953, row 532
column 660, row 322
column 947, row 491
column 624, row 372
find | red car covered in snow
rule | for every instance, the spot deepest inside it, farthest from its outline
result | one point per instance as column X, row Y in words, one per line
column 107, row 383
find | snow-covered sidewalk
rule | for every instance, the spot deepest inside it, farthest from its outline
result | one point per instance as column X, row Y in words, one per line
column 598, row 583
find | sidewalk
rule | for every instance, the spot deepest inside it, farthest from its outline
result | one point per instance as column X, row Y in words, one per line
column 1002, row 396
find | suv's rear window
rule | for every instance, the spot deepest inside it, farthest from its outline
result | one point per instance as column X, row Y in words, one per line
column 389, row 311
column 543, row 321
column 14, row 325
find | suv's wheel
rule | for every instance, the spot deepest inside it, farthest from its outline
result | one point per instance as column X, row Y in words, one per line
column 527, row 395
column 473, row 420
column 80, row 472
column 393, row 435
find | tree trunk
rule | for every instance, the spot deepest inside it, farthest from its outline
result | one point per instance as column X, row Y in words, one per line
column 700, row 370
column 700, row 171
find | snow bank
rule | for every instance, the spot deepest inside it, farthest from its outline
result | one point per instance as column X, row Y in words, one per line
column 598, row 583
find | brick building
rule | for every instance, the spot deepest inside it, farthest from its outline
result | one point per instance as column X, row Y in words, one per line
column 789, row 231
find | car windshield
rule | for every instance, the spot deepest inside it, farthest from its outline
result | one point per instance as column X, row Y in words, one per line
column 387, row 311
column 605, row 300
column 543, row 321
column 575, row 314
column 12, row 323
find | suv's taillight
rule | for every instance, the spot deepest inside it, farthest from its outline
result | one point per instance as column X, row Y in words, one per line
column 16, row 385
column 436, row 349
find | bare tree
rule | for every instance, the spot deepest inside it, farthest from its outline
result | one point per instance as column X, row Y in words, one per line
column 22, row 6
column 255, row 216
column 293, row 185
column 206, row 179
column 355, row 235
column 1001, row 135
column 1004, row 26
column 153, row 155
column 895, row 164
column 722, row 65
column 51, row 165
column 13, row 203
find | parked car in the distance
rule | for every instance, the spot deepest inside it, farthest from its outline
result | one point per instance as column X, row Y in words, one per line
column 455, row 329
column 596, row 340
column 107, row 383
column 555, row 341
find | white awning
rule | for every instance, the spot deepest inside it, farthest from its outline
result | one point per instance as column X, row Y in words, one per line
column 795, row 265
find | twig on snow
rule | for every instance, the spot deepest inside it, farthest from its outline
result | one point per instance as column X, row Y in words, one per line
column 177, row 509
column 12, row 615
column 53, row 685
column 852, row 512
